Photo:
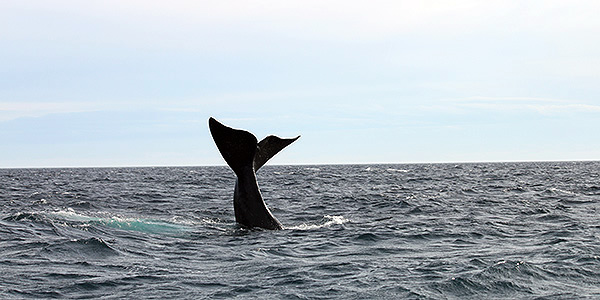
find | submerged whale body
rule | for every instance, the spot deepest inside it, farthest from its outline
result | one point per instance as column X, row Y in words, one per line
column 245, row 155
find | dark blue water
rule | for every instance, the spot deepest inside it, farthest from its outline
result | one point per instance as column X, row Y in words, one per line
column 418, row 231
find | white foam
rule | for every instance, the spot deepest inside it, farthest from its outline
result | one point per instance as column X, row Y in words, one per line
column 557, row 190
column 70, row 215
column 329, row 221
column 397, row 170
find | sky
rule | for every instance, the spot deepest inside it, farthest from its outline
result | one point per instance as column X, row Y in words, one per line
column 133, row 83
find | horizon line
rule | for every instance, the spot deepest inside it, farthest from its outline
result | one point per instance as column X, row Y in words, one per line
column 303, row 164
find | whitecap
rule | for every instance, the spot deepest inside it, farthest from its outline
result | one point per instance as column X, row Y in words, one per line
column 397, row 170
column 327, row 222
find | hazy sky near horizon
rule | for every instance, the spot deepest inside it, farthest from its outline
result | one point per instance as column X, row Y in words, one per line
column 132, row 83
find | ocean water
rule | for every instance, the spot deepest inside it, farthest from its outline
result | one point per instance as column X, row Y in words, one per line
column 414, row 231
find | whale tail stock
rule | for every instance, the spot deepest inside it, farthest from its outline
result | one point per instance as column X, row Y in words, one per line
column 240, row 148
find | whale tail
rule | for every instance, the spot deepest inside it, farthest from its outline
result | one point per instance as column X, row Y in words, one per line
column 244, row 154
column 240, row 148
column 236, row 146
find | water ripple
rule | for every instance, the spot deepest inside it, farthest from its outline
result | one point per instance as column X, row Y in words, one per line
column 417, row 231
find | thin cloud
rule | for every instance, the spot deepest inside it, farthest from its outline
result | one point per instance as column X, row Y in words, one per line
column 545, row 106
column 507, row 99
column 14, row 110
column 338, row 20
column 557, row 109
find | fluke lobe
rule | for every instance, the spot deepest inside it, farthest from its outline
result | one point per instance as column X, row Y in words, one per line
column 245, row 155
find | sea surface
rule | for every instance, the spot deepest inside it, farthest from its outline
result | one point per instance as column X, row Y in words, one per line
column 411, row 231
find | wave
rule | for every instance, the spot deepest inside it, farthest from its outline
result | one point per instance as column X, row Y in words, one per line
column 80, row 249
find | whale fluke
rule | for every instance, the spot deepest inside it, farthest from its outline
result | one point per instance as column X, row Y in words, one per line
column 236, row 146
column 268, row 147
column 245, row 155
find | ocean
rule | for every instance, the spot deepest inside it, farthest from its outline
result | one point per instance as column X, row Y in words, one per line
column 527, row 230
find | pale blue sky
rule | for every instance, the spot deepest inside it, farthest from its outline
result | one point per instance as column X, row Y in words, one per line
column 132, row 83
